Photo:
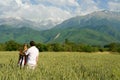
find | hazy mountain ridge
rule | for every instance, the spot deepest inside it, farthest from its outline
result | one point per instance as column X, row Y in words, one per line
column 100, row 27
column 96, row 28
column 22, row 35
column 93, row 19
column 21, row 22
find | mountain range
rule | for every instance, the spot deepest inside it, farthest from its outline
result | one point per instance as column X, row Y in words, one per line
column 97, row 28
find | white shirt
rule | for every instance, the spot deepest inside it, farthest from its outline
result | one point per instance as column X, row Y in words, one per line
column 33, row 54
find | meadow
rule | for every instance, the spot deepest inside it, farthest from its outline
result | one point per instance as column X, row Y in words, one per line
column 63, row 66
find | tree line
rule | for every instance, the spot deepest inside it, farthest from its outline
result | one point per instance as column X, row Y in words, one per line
column 66, row 46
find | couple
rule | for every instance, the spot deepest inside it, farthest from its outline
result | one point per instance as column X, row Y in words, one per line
column 29, row 56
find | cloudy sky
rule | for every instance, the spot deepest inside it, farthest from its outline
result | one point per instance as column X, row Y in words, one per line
column 55, row 10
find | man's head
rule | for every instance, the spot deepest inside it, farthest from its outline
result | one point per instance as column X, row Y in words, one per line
column 32, row 43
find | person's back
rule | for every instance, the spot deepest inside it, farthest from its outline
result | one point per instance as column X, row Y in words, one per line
column 33, row 54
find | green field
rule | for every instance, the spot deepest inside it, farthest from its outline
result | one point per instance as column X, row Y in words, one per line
column 63, row 66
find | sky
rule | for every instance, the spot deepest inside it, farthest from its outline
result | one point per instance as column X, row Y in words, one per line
column 54, row 10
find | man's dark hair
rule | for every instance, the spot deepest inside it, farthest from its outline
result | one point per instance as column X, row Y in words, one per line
column 32, row 43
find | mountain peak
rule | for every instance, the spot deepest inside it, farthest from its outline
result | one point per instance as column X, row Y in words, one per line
column 106, row 12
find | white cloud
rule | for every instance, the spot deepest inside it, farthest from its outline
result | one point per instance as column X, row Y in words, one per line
column 114, row 6
column 37, row 12
column 19, row 2
column 87, row 6
column 41, row 12
column 60, row 2
column 55, row 10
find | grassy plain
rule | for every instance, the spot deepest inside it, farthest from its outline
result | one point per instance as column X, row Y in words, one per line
column 63, row 66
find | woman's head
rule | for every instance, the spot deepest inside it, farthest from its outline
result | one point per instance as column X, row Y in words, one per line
column 25, row 46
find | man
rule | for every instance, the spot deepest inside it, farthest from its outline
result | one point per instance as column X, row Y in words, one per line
column 33, row 54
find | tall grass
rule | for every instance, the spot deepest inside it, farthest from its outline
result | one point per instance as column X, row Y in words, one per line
column 62, row 66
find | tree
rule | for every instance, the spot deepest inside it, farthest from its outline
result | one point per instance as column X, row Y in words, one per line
column 42, row 47
column 2, row 47
column 11, row 45
column 114, row 47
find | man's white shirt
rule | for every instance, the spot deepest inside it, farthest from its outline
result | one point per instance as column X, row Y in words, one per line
column 33, row 54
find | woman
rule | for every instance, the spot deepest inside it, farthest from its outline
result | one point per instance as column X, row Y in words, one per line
column 22, row 57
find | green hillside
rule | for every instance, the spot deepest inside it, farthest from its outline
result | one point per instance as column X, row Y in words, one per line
column 84, row 35
column 23, row 34
column 98, row 28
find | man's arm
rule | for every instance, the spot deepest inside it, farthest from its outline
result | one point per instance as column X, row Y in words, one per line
column 27, row 52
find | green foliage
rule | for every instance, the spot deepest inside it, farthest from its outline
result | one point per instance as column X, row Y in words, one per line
column 41, row 47
column 66, row 46
column 12, row 46
column 2, row 47
column 114, row 47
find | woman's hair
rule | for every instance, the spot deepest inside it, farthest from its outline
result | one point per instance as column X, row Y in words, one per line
column 25, row 46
